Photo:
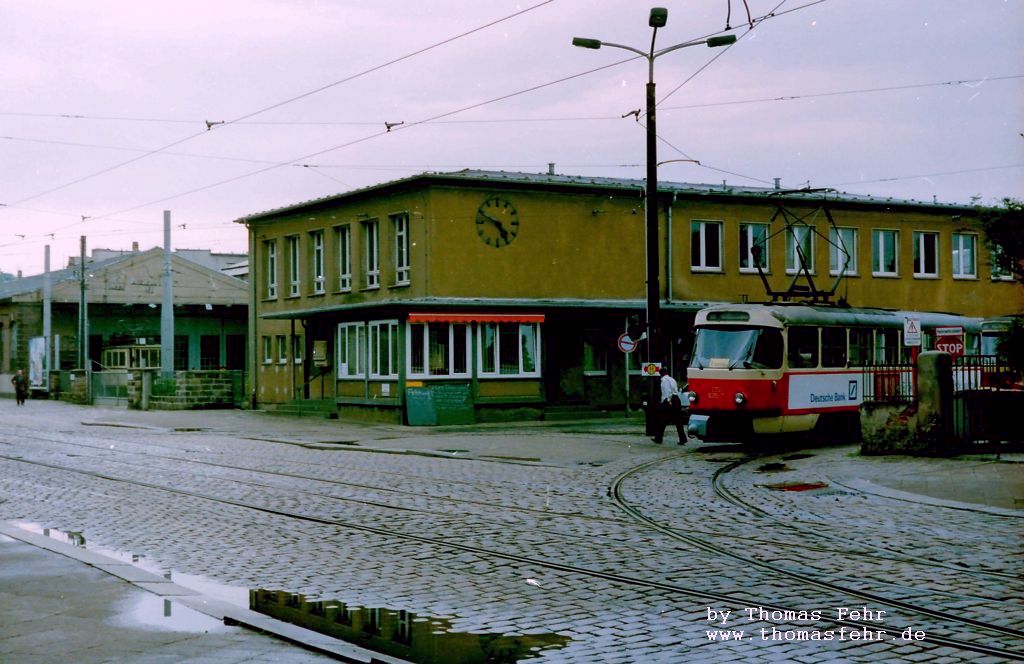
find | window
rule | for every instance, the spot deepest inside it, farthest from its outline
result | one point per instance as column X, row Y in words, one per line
column 861, row 347
column 751, row 236
column 965, row 264
column 268, row 350
column 371, row 621
column 509, row 349
column 887, row 348
column 803, row 347
column 799, row 249
column 351, row 348
column 371, row 263
column 384, row 349
column 403, row 628
column 209, row 352
column 270, row 254
column 842, row 251
column 595, row 354
column 401, row 228
column 316, row 265
column 705, row 246
column 885, row 247
column 999, row 273
column 438, row 349
column 343, row 242
column 926, row 254
column 294, row 280
column 180, row 352
column 282, row 349
column 297, row 348
column 833, row 346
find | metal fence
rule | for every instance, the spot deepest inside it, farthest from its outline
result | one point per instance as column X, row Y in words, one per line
column 985, row 373
column 889, row 383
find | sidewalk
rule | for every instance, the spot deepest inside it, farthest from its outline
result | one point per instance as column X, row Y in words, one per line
column 61, row 603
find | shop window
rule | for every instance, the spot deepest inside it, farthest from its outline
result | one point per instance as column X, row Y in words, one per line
column 351, row 349
column 595, row 354
column 509, row 349
column 384, row 349
column 438, row 349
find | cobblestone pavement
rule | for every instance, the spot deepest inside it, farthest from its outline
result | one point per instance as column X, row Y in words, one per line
column 516, row 530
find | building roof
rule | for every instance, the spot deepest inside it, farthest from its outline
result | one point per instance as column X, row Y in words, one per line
column 482, row 178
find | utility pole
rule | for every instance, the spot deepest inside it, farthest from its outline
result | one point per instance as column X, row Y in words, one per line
column 167, row 310
column 47, row 325
column 83, row 333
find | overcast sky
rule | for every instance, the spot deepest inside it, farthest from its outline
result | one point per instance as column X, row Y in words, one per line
column 104, row 105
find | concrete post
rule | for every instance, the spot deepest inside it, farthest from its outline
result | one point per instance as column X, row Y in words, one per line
column 935, row 395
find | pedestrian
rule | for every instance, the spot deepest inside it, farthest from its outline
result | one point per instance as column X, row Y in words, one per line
column 20, row 383
column 669, row 409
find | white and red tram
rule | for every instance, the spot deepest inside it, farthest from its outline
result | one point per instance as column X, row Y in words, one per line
column 768, row 369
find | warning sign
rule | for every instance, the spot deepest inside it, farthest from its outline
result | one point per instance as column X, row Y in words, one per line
column 911, row 332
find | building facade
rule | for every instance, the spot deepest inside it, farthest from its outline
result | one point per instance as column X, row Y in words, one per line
column 479, row 295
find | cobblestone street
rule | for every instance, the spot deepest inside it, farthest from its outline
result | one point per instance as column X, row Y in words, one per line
column 583, row 540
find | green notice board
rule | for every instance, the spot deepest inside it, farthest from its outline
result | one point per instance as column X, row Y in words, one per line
column 442, row 403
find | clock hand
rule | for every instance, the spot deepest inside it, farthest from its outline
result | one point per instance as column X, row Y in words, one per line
column 497, row 224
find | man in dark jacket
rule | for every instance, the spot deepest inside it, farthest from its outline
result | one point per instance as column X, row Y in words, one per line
column 20, row 383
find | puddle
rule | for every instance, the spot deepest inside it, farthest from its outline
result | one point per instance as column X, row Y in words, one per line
column 454, row 451
column 795, row 486
column 420, row 639
column 157, row 612
column 339, row 442
column 188, row 429
column 508, row 458
column 774, row 467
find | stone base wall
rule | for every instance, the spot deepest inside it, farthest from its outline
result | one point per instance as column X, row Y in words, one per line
column 188, row 390
column 76, row 388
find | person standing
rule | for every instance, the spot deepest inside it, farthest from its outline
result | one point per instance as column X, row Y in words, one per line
column 670, row 409
column 20, row 383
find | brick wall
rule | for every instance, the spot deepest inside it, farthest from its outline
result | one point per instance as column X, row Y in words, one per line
column 188, row 390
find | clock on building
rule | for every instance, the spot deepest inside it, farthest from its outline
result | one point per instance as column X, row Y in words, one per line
column 497, row 222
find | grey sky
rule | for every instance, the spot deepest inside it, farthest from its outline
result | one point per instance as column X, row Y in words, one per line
column 146, row 75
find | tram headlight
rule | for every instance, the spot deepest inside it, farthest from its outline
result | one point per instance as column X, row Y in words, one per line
column 692, row 397
column 740, row 398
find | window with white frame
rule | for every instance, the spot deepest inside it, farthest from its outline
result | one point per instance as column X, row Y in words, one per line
column 751, row 236
column 343, row 247
column 294, row 274
column 965, row 256
column 926, row 254
column 316, row 265
column 842, row 251
column 268, row 350
column 270, row 264
column 799, row 249
column 999, row 273
column 509, row 349
column 371, row 260
column 282, row 349
column 438, row 349
column 400, row 225
column 706, row 246
column 885, row 247
column 297, row 348
column 383, row 349
column 351, row 350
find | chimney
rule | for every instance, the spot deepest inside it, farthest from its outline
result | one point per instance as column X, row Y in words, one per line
column 135, row 247
column 778, row 183
column 19, row 274
column 551, row 168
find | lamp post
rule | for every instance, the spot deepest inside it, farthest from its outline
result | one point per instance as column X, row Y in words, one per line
column 658, row 19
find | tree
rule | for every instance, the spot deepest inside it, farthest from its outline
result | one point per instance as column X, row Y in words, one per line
column 1004, row 229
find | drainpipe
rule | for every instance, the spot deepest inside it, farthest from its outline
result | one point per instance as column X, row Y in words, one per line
column 668, row 249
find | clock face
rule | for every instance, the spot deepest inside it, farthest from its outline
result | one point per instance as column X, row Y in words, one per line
column 497, row 222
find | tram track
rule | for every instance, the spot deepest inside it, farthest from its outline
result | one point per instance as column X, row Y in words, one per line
column 615, row 492
column 545, row 563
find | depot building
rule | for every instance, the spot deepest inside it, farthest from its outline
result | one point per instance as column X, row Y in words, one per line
column 478, row 296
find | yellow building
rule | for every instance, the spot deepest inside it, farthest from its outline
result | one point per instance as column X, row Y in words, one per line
column 477, row 295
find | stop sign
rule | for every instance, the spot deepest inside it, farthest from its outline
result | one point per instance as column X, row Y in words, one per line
column 950, row 340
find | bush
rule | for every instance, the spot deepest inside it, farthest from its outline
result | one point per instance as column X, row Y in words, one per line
column 165, row 387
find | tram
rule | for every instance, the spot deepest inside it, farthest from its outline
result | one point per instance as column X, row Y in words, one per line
column 766, row 369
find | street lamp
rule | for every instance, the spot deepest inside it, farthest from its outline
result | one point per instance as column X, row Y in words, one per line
column 658, row 19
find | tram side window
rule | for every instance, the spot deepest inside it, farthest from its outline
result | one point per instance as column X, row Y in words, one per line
column 767, row 350
column 833, row 346
column 887, row 349
column 861, row 347
column 803, row 347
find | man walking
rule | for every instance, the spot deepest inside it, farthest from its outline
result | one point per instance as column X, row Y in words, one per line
column 670, row 409
column 20, row 383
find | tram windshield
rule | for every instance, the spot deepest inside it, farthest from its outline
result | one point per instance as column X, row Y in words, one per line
column 735, row 347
